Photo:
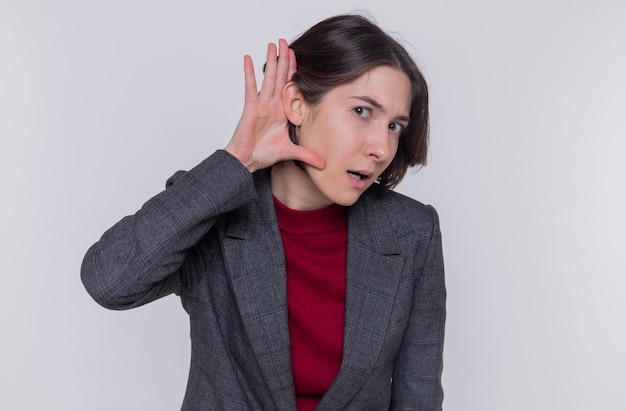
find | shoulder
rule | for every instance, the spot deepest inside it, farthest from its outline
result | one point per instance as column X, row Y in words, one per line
column 390, row 222
column 405, row 214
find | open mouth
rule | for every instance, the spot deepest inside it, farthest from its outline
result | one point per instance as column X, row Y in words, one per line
column 357, row 175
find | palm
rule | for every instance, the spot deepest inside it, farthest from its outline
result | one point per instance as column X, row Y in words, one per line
column 261, row 138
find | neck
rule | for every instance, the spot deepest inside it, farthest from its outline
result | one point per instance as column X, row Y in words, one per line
column 293, row 187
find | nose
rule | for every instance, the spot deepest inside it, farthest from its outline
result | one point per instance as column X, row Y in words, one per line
column 379, row 145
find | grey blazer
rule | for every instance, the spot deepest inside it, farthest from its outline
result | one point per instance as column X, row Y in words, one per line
column 212, row 238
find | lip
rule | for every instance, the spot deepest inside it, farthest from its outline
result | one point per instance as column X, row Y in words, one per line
column 359, row 183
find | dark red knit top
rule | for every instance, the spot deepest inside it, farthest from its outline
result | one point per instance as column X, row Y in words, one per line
column 315, row 244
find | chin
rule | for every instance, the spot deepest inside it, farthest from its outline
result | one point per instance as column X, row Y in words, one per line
column 347, row 200
column 346, row 203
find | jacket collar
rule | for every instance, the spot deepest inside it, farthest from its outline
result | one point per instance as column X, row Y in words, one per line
column 257, row 269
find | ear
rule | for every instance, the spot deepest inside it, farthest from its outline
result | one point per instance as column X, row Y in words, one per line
column 293, row 103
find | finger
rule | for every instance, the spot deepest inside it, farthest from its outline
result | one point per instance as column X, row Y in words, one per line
column 293, row 66
column 249, row 80
column 282, row 69
column 269, row 79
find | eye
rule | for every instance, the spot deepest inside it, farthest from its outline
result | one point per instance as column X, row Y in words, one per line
column 397, row 128
column 362, row 112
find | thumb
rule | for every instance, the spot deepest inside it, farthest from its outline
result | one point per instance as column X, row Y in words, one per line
column 306, row 155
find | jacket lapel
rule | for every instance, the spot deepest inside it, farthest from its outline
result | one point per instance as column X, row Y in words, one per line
column 255, row 260
column 373, row 272
column 256, row 264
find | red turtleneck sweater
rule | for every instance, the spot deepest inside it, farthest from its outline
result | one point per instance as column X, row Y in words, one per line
column 315, row 244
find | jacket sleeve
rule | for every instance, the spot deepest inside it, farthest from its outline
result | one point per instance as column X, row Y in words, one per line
column 137, row 260
column 418, row 367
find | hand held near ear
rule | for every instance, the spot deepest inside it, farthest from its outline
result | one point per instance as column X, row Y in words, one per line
column 261, row 138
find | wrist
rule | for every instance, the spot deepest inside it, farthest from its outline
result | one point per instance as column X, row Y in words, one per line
column 250, row 165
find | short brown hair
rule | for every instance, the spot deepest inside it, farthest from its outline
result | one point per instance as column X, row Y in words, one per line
column 339, row 49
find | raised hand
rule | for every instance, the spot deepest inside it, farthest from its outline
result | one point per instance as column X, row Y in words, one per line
column 261, row 138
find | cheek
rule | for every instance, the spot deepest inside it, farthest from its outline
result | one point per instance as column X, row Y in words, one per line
column 327, row 136
column 394, row 145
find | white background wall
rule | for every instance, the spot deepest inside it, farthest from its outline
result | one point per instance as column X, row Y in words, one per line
column 100, row 101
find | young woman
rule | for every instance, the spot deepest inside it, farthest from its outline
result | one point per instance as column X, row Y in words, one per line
column 308, row 282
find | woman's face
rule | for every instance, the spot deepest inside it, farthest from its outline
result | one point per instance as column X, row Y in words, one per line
column 355, row 128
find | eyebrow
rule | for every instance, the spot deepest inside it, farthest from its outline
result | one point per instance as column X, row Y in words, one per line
column 379, row 106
